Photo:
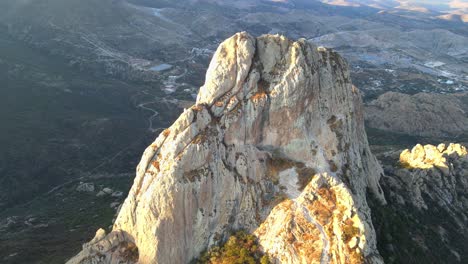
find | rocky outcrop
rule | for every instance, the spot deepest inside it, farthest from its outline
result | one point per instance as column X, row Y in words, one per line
column 426, row 218
column 274, row 145
column 433, row 175
column 429, row 156
column 422, row 114
column 85, row 187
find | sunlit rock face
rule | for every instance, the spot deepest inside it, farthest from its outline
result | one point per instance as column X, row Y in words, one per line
column 426, row 218
column 437, row 173
column 274, row 145
column 429, row 156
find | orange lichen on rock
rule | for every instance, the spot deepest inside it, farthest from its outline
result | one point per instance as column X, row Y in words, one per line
column 197, row 107
column 259, row 96
column 155, row 164
column 166, row 132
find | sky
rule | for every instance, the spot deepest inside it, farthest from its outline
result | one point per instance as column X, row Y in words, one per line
column 459, row 4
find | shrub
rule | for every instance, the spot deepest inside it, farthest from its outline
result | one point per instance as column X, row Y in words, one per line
column 240, row 248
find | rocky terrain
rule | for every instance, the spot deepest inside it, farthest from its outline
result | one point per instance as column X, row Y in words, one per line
column 438, row 54
column 156, row 52
column 425, row 220
column 422, row 114
column 275, row 145
column 86, row 85
column 129, row 38
column 61, row 123
column 29, row 233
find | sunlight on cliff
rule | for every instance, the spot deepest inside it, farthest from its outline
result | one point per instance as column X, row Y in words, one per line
column 316, row 225
column 429, row 156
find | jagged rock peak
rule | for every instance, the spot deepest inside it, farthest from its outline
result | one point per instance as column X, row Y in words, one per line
column 429, row 156
column 426, row 189
column 433, row 174
column 437, row 173
column 274, row 145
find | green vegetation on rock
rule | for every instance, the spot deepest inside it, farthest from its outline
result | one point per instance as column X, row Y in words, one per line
column 240, row 248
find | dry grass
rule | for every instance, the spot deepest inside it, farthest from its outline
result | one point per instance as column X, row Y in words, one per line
column 321, row 212
column 355, row 257
column 349, row 230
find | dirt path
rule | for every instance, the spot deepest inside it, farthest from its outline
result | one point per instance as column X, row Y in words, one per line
column 150, row 119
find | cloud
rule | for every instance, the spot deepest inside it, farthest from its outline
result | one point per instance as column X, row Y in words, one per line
column 463, row 4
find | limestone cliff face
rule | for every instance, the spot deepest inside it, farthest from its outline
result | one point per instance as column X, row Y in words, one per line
column 274, row 145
